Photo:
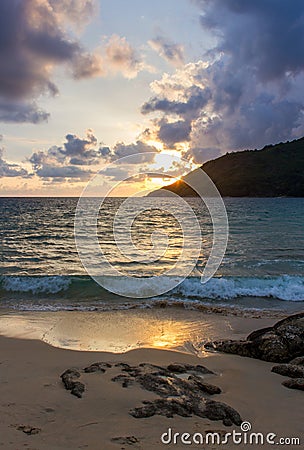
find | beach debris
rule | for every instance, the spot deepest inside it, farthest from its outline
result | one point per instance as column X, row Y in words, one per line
column 68, row 378
column 28, row 429
column 281, row 343
column 294, row 383
column 97, row 367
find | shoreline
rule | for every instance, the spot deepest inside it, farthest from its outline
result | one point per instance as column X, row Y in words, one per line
column 171, row 328
column 33, row 395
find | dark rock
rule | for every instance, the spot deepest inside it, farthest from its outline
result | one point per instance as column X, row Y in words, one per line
column 27, row 429
column 184, row 407
column 210, row 389
column 183, row 368
column 294, row 383
column 221, row 411
column 124, row 380
column 97, row 367
column 298, row 361
column 76, row 387
column 68, row 378
column 122, row 365
column 129, row 440
column 289, row 370
column 280, row 343
column 177, row 368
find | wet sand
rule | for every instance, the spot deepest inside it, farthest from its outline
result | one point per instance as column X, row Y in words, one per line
column 33, row 394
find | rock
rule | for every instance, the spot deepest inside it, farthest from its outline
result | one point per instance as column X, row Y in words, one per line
column 129, row 440
column 294, row 383
column 210, row 389
column 183, row 368
column 221, row 411
column 125, row 380
column 177, row 368
column 27, row 429
column 78, row 389
column 298, row 361
column 97, row 367
column 68, row 378
column 280, row 343
column 184, row 407
column 289, row 370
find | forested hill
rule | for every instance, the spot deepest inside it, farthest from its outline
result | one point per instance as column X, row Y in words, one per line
column 276, row 170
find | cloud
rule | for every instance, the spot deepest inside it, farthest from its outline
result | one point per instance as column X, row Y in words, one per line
column 35, row 37
column 72, row 158
column 200, row 155
column 265, row 35
column 120, row 56
column 145, row 153
column 47, row 171
column 247, row 91
column 65, row 161
column 21, row 111
column 195, row 98
column 10, row 169
column 170, row 133
column 170, row 52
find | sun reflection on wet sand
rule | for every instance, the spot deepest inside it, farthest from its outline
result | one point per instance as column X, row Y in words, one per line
column 119, row 331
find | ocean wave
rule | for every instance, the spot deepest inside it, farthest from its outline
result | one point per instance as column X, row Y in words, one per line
column 84, row 289
column 289, row 288
column 36, row 285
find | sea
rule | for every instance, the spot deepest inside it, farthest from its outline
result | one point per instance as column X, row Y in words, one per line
column 263, row 266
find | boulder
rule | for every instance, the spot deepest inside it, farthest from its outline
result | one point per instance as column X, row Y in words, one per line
column 280, row 343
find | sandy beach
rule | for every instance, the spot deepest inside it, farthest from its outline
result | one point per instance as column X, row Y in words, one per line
column 32, row 394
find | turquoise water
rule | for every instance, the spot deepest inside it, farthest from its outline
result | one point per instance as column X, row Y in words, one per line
column 263, row 265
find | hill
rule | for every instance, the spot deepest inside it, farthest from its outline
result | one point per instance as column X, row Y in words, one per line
column 275, row 171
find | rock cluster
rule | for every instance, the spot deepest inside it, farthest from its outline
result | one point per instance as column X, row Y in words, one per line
column 181, row 389
column 183, row 396
column 295, row 371
column 280, row 343
column 283, row 343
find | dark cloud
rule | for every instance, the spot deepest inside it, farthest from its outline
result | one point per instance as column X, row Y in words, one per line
column 33, row 40
column 144, row 153
column 62, row 172
column 170, row 133
column 201, row 155
column 266, row 35
column 172, row 53
column 195, row 99
column 70, row 159
column 9, row 169
column 12, row 111
column 65, row 161
column 253, row 79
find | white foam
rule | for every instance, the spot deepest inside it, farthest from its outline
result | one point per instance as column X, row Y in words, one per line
column 290, row 288
column 36, row 285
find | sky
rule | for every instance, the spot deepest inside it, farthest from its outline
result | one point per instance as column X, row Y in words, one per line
column 84, row 83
